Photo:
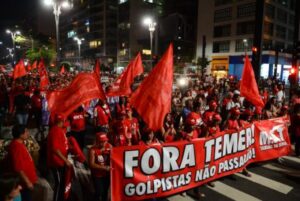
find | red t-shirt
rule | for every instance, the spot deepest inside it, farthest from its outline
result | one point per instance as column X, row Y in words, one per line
column 233, row 124
column 102, row 116
column 57, row 140
column 36, row 102
column 208, row 116
column 188, row 136
column 77, row 121
column 133, row 129
column 122, row 127
column 102, row 157
column 21, row 160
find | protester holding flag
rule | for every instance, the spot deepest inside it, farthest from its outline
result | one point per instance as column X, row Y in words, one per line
column 99, row 158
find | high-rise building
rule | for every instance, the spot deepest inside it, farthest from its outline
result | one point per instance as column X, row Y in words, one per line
column 229, row 28
column 95, row 21
column 133, row 35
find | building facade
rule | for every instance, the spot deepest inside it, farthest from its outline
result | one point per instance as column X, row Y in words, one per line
column 95, row 21
column 229, row 28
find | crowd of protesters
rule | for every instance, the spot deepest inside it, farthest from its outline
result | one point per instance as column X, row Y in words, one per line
column 203, row 108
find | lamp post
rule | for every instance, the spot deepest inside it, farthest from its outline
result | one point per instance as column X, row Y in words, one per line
column 10, row 50
column 151, row 27
column 13, row 35
column 79, row 42
column 57, row 6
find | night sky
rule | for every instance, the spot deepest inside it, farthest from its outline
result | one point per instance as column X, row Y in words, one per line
column 16, row 9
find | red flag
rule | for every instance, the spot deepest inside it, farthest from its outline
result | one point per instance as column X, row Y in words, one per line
column 34, row 65
column 62, row 70
column 248, row 86
column 84, row 87
column 19, row 70
column 29, row 66
column 44, row 81
column 69, row 174
column 124, row 81
column 97, row 68
column 152, row 99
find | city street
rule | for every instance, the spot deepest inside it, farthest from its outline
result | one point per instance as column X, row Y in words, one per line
column 270, row 181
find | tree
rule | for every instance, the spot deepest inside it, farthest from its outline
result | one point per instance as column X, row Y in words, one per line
column 48, row 54
column 202, row 64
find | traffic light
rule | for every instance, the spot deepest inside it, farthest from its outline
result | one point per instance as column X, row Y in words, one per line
column 293, row 75
column 254, row 49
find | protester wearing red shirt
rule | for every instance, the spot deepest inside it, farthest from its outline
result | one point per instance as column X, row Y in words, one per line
column 21, row 161
column 168, row 130
column 134, row 129
column 208, row 114
column 122, row 135
column 190, row 132
column 57, row 159
column 78, row 125
column 102, row 117
column 99, row 160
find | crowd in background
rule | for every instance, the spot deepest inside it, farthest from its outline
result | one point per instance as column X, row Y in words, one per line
column 202, row 108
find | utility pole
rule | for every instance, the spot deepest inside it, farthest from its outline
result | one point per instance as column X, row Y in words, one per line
column 258, row 34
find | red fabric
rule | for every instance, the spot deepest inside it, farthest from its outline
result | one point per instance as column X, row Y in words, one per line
column 124, row 81
column 34, row 65
column 57, row 140
column 133, row 129
column 68, row 182
column 248, row 85
column 102, row 117
column 62, row 70
column 21, row 160
column 101, row 158
column 152, row 100
column 175, row 164
column 97, row 68
column 75, row 150
column 232, row 124
column 122, row 132
column 19, row 70
column 85, row 87
column 190, row 136
column 44, row 81
column 77, row 121
column 36, row 102
column 208, row 116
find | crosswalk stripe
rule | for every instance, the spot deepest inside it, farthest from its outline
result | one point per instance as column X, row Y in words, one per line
column 290, row 158
column 232, row 193
column 280, row 168
column 179, row 197
column 269, row 183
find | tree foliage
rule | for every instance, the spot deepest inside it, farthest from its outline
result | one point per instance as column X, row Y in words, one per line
column 48, row 54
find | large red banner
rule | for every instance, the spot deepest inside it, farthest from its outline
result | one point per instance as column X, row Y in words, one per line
column 143, row 172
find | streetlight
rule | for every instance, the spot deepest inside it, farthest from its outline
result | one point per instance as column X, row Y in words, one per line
column 10, row 50
column 13, row 35
column 79, row 42
column 57, row 6
column 148, row 21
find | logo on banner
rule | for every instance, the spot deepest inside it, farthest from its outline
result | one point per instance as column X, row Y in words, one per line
column 273, row 138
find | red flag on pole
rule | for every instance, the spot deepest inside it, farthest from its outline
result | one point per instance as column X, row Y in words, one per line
column 124, row 81
column 29, row 68
column 84, row 87
column 44, row 81
column 152, row 99
column 97, row 67
column 19, row 70
column 34, row 65
column 248, row 86
column 62, row 70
